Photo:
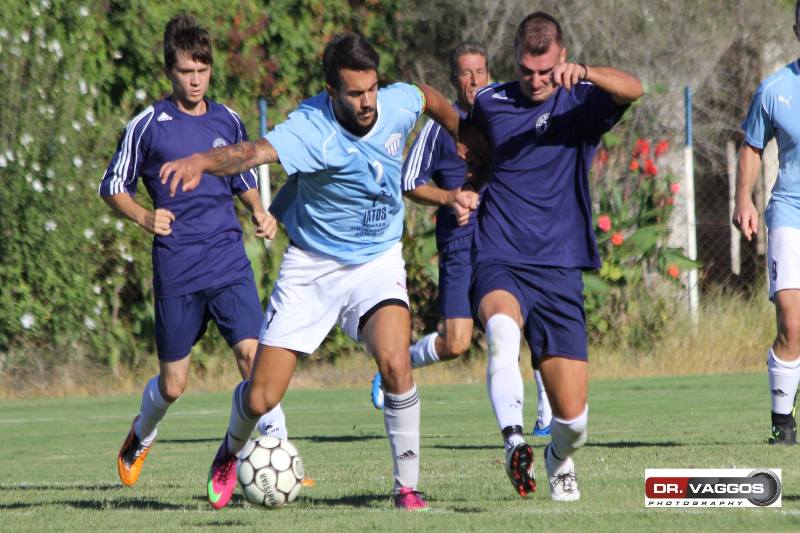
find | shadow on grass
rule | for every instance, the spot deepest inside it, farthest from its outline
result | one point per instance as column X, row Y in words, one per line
column 791, row 497
column 466, row 446
column 215, row 440
column 310, row 438
column 364, row 500
column 139, row 504
column 634, row 444
column 79, row 486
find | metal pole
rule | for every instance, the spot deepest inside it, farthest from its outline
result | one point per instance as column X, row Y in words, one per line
column 736, row 258
column 264, row 187
column 691, row 223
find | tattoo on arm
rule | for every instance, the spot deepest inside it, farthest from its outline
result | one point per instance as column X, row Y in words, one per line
column 239, row 157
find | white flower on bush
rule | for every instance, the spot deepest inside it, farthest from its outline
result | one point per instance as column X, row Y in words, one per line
column 90, row 117
column 76, row 125
column 89, row 323
column 9, row 155
column 70, row 188
column 77, row 161
column 50, row 225
column 83, row 87
column 119, row 225
column 128, row 258
column 96, row 289
column 140, row 94
column 88, row 233
column 35, row 11
column 98, row 309
column 25, row 139
column 50, row 173
column 36, row 166
column 27, row 320
column 55, row 47
column 3, row 34
column 15, row 51
column 51, row 187
column 25, row 36
column 45, row 4
column 3, row 162
column 116, row 54
column 62, row 139
column 105, row 219
column 37, row 185
column 83, row 11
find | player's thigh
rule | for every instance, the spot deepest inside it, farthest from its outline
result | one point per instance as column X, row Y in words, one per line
column 180, row 321
column 386, row 334
column 245, row 352
column 567, row 383
column 494, row 291
column 236, row 310
column 272, row 371
column 783, row 260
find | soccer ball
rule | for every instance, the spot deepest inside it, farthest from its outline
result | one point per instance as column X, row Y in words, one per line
column 270, row 472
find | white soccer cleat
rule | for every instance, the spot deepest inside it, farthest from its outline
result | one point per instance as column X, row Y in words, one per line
column 563, row 482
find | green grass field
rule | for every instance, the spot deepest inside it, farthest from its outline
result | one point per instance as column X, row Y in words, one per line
column 57, row 462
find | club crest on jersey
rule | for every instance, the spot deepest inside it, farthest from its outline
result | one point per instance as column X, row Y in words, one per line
column 542, row 123
column 219, row 142
column 392, row 144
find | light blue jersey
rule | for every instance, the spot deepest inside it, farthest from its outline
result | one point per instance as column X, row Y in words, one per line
column 343, row 198
column 775, row 112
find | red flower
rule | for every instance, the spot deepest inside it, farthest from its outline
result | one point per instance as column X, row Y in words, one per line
column 602, row 157
column 634, row 166
column 670, row 200
column 641, row 147
column 675, row 188
column 604, row 223
column 661, row 147
column 650, row 168
column 673, row 271
column 617, row 239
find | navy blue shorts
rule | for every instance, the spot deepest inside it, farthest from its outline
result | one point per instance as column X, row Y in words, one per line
column 182, row 320
column 455, row 273
column 551, row 301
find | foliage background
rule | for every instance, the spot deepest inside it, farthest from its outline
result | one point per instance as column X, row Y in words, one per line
column 75, row 281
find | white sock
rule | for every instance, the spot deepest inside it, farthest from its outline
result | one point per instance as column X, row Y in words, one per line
column 545, row 414
column 783, row 379
column 503, row 378
column 241, row 424
column 151, row 411
column 423, row 352
column 401, row 417
column 567, row 436
column 273, row 424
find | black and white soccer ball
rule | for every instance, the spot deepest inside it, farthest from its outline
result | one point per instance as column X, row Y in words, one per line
column 270, row 472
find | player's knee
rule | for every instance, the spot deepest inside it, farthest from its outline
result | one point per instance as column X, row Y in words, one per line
column 570, row 434
column 261, row 401
column 457, row 345
column 172, row 389
column 789, row 331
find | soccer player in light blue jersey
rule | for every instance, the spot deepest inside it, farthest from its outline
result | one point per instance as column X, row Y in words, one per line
column 775, row 113
column 200, row 270
column 534, row 237
column 433, row 174
column 342, row 208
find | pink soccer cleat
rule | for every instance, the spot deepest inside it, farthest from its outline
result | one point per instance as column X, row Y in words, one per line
column 409, row 499
column 222, row 477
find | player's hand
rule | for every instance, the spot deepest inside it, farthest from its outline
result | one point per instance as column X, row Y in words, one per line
column 463, row 204
column 568, row 75
column 158, row 222
column 745, row 217
column 188, row 170
column 266, row 225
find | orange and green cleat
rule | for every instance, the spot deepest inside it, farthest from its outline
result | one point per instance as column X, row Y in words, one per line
column 131, row 457
column 222, row 477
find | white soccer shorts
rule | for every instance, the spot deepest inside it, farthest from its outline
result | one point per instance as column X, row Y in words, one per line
column 313, row 293
column 783, row 259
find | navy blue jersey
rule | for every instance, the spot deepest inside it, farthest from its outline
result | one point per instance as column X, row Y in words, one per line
column 536, row 208
column 205, row 249
column 433, row 156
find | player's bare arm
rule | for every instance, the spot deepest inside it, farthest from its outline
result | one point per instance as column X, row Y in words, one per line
column 265, row 223
column 745, row 214
column 224, row 161
column 460, row 201
column 439, row 109
column 157, row 222
column 623, row 87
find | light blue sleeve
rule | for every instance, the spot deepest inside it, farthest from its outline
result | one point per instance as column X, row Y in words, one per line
column 757, row 125
column 299, row 143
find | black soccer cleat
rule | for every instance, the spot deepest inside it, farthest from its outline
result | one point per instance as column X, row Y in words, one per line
column 519, row 467
column 784, row 429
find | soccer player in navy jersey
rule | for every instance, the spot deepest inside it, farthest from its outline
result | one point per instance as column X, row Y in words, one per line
column 535, row 236
column 200, row 270
column 342, row 207
column 434, row 158
column 771, row 115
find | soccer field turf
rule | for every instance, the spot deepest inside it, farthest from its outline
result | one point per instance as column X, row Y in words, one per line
column 58, row 471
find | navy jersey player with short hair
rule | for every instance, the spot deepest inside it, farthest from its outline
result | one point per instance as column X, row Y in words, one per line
column 433, row 173
column 534, row 238
column 200, row 270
